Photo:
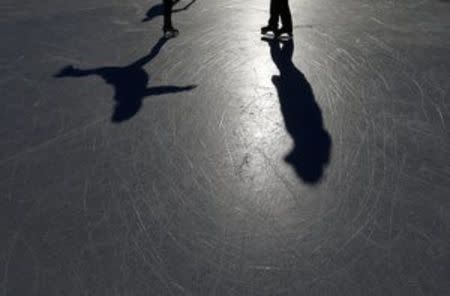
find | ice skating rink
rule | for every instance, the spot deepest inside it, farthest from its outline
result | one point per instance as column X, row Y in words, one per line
column 219, row 164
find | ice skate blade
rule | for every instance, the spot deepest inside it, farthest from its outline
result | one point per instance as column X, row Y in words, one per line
column 284, row 37
column 171, row 34
column 268, row 37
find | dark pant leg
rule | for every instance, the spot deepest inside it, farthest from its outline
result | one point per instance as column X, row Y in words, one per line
column 167, row 13
column 285, row 14
column 274, row 13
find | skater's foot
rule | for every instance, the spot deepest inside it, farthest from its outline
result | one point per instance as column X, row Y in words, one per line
column 269, row 29
column 170, row 32
column 284, row 34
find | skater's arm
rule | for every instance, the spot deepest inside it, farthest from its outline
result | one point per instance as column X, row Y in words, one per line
column 185, row 7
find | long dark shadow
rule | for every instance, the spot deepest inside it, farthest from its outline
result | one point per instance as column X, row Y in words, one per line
column 129, row 82
column 302, row 115
column 158, row 9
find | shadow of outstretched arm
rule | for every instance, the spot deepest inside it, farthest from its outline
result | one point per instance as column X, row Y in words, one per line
column 71, row 71
column 153, row 12
column 161, row 90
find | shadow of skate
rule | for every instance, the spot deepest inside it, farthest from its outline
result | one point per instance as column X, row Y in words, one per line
column 302, row 115
column 158, row 10
column 129, row 82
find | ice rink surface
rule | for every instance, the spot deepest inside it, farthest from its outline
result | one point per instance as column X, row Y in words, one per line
column 218, row 164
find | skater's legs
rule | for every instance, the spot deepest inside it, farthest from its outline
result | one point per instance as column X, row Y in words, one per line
column 274, row 13
column 168, row 14
column 285, row 14
column 274, row 18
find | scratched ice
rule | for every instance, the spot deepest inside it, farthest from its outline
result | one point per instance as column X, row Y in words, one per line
column 216, row 163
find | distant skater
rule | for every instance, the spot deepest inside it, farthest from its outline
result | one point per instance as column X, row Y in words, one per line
column 279, row 9
column 169, row 30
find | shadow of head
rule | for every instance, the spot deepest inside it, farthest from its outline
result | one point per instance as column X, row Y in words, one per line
column 125, row 110
column 310, row 158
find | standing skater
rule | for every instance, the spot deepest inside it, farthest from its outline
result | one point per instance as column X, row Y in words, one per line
column 279, row 9
column 169, row 30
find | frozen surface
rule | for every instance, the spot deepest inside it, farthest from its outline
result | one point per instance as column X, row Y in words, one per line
column 211, row 177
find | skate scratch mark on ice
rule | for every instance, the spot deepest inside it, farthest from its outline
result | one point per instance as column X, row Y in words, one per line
column 188, row 159
column 335, row 272
column 207, row 177
column 380, row 75
column 151, row 265
column 11, row 63
column 35, row 264
column 422, row 97
column 127, row 186
column 325, row 35
column 174, row 133
column 277, row 173
column 377, row 21
column 349, row 86
column 356, row 232
column 202, row 188
column 120, row 22
column 353, row 61
column 440, row 116
column 248, row 105
column 84, row 197
column 13, row 243
column 319, row 65
column 380, row 43
column 51, row 141
column 264, row 267
column 219, row 271
column 178, row 286
column 222, row 118
column 228, row 151
column 203, row 144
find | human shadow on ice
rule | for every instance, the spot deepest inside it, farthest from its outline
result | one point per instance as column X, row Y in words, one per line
column 129, row 82
column 302, row 115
